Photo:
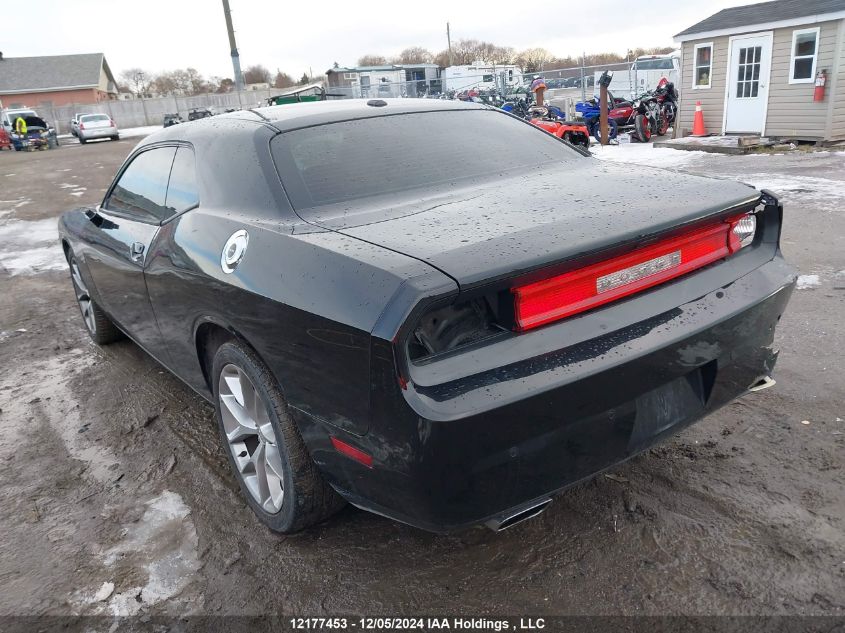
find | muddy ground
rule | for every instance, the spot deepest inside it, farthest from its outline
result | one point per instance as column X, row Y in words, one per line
column 116, row 498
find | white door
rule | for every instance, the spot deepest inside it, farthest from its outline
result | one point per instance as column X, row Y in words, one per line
column 748, row 83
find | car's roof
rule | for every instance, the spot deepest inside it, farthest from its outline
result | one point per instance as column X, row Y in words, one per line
column 298, row 115
column 294, row 115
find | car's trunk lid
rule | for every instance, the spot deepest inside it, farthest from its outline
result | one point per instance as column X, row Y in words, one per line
column 525, row 221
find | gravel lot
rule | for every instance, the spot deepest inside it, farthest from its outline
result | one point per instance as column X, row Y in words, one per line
column 115, row 496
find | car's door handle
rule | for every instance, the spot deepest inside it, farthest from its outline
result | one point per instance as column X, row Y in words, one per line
column 137, row 251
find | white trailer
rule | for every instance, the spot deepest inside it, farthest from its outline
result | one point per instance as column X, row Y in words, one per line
column 644, row 75
column 481, row 75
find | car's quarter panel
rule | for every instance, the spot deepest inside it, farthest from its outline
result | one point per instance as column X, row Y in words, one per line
column 305, row 299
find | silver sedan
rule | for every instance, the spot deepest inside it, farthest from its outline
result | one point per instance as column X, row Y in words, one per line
column 93, row 126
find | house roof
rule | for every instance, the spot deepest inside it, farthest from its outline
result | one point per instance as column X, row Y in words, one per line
column 51, row 73
column 776, row 11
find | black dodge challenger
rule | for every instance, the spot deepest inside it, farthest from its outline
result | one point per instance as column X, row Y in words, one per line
column 429, row 309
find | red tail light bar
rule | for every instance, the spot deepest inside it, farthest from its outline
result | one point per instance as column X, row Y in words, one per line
column 565, row 295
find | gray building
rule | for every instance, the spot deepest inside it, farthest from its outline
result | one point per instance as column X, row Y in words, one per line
column 394, row 80
column 754, row 68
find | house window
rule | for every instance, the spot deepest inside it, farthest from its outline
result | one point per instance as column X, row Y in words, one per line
column 748, row 72
column 350, row 75
column 703, row 65
column 805, row 52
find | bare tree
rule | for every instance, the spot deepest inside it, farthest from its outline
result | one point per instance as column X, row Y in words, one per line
column 470, row 51
column 138, row 79
column 415, row 55
column 196, row 82
column 225, row 85
column 164, row 84
column 372, row 60
column 257, row 74
column 533, row 60
column 283, row 80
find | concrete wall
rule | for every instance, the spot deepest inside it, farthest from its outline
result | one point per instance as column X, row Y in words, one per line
column 142, row 112
column 791, row 111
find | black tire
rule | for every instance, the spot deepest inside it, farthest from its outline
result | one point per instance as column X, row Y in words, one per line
column 642, row 128
column 307, row 498
column 82, row 141
column 99, row 327
column 115, row 138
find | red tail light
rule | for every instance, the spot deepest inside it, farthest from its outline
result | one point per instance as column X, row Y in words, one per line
column 568, row 294
column 81, row 126
column 111, row 123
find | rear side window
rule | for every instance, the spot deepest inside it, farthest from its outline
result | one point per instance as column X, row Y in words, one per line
column 344, row 161
column 141, row 191
column 182, row 192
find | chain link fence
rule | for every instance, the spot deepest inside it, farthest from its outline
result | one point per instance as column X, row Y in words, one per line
column 565, row 86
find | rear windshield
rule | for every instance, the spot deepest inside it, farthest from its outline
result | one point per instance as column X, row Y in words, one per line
column 654, row 64
column 95, row 117
column 345, row 161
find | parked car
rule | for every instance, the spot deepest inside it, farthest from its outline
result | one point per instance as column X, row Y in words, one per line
column 171, row 119
column 41, row 133
column 404, row 304
column 74, row 123
column 199, row 113
column 94, row 126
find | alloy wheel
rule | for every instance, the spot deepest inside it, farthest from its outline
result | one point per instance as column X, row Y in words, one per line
column 251, row 438
column 83, row 298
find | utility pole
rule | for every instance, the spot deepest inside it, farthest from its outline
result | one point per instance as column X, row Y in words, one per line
column 449, row 41
column 236, row 59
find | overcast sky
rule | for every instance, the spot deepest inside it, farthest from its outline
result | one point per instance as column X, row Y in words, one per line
column 295, row 36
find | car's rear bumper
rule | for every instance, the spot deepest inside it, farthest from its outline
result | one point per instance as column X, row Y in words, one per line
column 564, row 416
column 101, row 132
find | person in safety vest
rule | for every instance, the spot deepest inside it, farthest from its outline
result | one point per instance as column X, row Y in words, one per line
column 20, row 126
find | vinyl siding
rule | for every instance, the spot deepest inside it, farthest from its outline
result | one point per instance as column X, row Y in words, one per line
column 792, row 111
column 712, row 98
column 836, row 86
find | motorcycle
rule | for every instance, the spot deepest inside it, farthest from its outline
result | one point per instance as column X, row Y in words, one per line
column 667, row 98
column 649, row 119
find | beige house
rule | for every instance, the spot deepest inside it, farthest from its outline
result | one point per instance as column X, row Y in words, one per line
column 754, row 69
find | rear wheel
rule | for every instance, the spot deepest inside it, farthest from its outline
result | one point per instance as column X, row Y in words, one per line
column 662, row 124
column 642, row 128
column 268, row 456
column 115, row 137
column 82, row 141
column 100, row 328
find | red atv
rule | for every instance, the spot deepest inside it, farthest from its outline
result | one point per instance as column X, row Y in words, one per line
column 573, row 133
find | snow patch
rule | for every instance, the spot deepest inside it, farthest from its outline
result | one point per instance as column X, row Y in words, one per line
column 645, row 154
column 165, row 541
column 808, row 281
column 103, row 593
column 30, row 247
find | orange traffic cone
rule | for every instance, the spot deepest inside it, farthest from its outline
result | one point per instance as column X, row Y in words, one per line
column 698, row 121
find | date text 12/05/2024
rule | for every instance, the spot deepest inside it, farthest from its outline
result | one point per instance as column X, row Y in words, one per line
column 417, row 624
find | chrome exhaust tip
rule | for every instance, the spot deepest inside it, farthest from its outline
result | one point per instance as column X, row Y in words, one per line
column 762, row 383
column 508, row 520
